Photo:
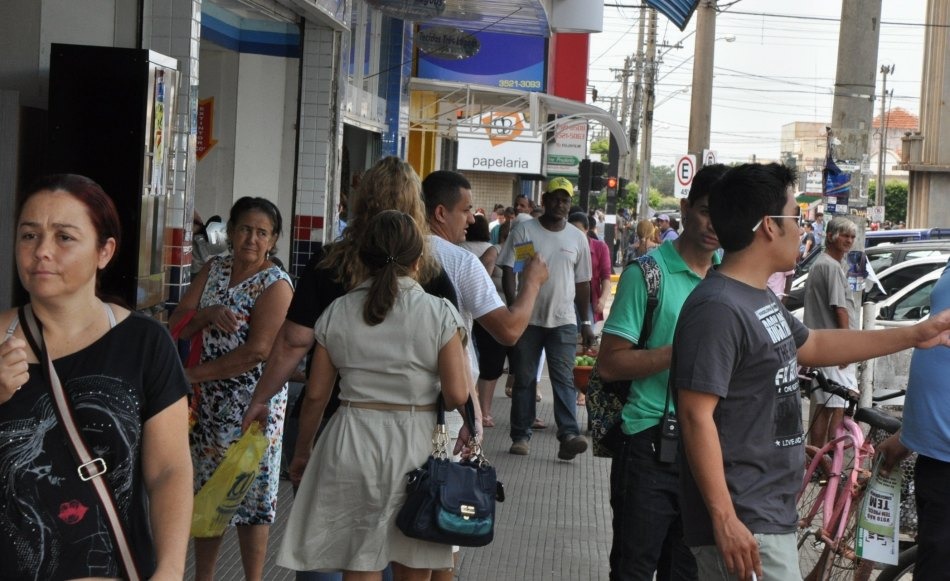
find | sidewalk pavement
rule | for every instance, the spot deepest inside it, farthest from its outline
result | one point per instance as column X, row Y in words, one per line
column 554, row 525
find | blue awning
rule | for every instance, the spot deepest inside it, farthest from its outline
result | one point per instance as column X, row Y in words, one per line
column 678, row 11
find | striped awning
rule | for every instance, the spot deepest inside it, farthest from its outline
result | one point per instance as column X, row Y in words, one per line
column 678, row 11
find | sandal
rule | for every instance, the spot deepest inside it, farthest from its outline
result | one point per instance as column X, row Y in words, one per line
column 488, row 422
column 538, row 424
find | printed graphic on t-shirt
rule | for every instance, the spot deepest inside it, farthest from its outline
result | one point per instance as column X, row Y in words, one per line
column 787, row 413
column 787, row 417
column 774, row 322
column 45, row 509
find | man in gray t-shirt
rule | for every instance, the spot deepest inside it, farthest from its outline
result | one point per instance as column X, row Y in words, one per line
column 734, row 375
column 829, row 304
column 553, row 324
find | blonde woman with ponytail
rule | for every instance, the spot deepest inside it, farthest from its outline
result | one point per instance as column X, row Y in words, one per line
column 395, row 347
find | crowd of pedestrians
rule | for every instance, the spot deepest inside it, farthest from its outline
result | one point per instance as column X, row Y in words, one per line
column 418, row 297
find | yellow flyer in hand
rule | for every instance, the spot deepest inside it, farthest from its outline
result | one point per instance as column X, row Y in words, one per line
column 523, row 253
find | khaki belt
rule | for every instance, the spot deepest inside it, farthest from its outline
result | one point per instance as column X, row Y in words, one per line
column 388, row 407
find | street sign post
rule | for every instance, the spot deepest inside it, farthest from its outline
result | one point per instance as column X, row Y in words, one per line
column 685, row 170
column 709, row 157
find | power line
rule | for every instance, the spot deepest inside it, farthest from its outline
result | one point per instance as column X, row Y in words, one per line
column 831, row 19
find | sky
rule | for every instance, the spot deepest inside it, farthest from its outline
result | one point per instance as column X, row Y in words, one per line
column 776, row 71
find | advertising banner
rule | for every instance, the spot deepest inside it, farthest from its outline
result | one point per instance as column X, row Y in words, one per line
column 813, row 182
column 503, row 143
column 507, row 61
column 569, row 147
column 837, row 193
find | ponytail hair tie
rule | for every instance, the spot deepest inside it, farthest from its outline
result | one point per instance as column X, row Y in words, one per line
column 390, row 259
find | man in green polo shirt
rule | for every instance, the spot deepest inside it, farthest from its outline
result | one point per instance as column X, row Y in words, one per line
column 644, row 491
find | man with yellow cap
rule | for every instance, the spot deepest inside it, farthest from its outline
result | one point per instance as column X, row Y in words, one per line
column 553, row 325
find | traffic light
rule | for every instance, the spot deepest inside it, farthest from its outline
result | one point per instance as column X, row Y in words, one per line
column 612, row 183
column 597, row 171
column 624, row 182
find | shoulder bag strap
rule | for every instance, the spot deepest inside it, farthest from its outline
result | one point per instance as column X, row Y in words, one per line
column 90, row 469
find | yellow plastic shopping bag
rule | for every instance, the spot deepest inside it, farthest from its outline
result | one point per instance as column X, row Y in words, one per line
column 223, row 493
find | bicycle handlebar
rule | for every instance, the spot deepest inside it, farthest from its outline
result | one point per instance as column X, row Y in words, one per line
column 889, row 396
column 833, row 387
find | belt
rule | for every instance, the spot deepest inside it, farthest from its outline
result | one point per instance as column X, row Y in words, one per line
column 388, row 407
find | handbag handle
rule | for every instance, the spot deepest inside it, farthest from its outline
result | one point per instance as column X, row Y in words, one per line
column 440, row 438
column 90, row 469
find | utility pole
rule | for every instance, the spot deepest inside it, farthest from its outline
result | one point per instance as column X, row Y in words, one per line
column 623, row 75
column 700, row 109
column 633, row 134
column 851, row 114
column 853, row 107
column 882, row 148
column 646, row 148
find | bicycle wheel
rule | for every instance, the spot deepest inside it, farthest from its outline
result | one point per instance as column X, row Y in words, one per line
column 810, row 546
column 904, row 569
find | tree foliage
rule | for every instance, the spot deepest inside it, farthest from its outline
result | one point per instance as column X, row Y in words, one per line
column 602, row 147
column 661, row 178
column 895, row 199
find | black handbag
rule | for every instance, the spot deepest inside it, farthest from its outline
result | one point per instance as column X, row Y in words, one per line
column 452, row 503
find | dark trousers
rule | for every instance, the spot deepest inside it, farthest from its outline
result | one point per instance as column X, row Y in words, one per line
column 932, row 483
column 648, row 528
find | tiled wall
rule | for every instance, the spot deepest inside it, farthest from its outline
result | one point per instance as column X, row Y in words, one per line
column 320, row 141
column 489, row 189
column 175, row 31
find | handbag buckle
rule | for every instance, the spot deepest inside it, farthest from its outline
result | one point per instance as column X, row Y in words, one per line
column 467, row 511
column 92, row 469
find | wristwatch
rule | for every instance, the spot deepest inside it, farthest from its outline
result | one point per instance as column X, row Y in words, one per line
column 585, row 323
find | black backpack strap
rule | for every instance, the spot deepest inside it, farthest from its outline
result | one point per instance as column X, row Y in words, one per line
column 651, row 274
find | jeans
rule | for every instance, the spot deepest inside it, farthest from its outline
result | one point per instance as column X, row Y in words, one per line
column 778, row 553
column 647, row 525
column 931, row 482
column 560, row 345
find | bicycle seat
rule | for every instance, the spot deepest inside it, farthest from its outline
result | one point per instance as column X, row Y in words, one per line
column 878, row 419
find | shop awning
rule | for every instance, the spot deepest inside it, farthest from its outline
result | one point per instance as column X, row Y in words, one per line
column 804, row 198
column 678, row 11
column 459, row 103
column 504, row 16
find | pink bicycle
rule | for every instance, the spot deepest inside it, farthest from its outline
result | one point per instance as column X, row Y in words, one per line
column 836, row 476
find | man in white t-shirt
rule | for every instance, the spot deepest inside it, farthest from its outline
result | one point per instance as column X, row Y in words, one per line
column 553, row 326
column 448, row 199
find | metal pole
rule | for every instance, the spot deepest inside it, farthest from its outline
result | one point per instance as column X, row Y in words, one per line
column 613, row 163
column 625, row 102
column 646, row 149
column 882, row 148
column 700, row 110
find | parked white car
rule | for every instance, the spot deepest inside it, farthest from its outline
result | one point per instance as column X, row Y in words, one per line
column 895, row 280
column 909, row 305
